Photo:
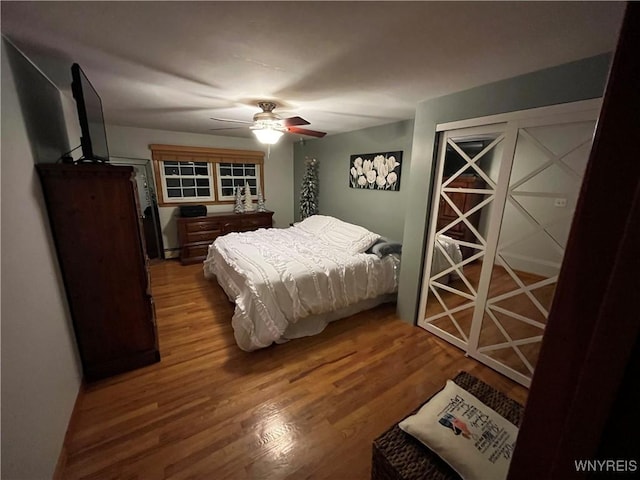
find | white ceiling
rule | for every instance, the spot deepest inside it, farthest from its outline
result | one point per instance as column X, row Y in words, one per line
column 340, row 65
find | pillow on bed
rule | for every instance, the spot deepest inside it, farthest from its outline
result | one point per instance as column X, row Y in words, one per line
column 475, row 440
column 386, row 248
column 315, row 223
column 379, row 240
column 342, row 235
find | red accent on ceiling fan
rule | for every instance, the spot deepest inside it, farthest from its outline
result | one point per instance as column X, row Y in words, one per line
column 304, row 131
column 293, row 121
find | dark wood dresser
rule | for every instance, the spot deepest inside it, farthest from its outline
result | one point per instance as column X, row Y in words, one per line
column 465, row 202
column 195, row 234
column 96, row 225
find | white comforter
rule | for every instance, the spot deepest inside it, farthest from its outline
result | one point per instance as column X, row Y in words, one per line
column 277, row 277
column 445, row 247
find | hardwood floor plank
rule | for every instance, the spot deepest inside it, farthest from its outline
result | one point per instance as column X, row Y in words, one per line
column 309, row 408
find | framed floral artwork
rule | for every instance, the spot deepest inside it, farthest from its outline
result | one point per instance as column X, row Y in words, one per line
column 376, row 171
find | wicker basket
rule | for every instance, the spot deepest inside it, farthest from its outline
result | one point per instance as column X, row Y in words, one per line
column 398, row 456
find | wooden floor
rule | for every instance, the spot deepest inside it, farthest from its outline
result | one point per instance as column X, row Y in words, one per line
column 501, row 283
column 309, row 408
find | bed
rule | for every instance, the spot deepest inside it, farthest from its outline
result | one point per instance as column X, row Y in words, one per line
column 446, row 253
column 290, row 283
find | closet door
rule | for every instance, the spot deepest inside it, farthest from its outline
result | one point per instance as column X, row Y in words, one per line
column 546, row 174
column 511, row 188
column 469, row 168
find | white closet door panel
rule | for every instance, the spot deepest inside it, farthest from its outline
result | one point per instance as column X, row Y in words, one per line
column 451, row 292
column 493, row 300
column 543, row 189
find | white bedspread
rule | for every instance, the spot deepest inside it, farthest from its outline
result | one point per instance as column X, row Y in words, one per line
column 440, row 263
column 277, row 277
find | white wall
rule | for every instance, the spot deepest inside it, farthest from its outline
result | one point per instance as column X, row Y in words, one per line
column 278, row 169
column 40, row 371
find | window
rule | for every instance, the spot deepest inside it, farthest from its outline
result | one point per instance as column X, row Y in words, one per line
column 187, row 181
column 204, row 175
column 233, row 175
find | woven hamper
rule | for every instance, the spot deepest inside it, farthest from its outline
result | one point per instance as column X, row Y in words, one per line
column 398, row 456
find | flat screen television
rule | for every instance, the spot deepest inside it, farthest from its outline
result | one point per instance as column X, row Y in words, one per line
column 94, row 135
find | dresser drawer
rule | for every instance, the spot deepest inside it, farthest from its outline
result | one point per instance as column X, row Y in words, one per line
column 261, row 223
column 194, row 253
column 195, row 234
column 203, row 225
column 244, row 224
column 205, row 236
column 243, row 228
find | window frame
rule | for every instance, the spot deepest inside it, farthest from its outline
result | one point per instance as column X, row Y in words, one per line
column 219, row 177
column 214, row 157
column 182, row 200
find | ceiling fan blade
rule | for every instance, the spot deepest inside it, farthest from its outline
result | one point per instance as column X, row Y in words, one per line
column 225, row 128
column 304, row 131
column 230, row 120
column 293, row 121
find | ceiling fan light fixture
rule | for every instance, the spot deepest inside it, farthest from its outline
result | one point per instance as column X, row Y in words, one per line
column 268, row 127
column 267, row 135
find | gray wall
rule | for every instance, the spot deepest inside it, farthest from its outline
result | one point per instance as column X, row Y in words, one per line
column 132, row 142
column 571, row 82
column 40, row 369
column 379, row 211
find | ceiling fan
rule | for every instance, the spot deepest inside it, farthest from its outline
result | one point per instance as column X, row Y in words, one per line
column 268, row 126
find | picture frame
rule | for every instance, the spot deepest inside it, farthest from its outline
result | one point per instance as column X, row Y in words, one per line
column 376, row 171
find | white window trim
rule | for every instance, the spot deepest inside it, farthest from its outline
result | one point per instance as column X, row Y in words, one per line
column 165, row 189
column 219, row 179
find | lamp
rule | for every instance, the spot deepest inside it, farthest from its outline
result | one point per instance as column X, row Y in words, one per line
column 267, row 135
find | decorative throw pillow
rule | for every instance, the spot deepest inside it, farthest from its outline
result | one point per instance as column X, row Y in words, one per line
column 473, row 439
column 344, row 236
column 386, row 248
column 315, row 223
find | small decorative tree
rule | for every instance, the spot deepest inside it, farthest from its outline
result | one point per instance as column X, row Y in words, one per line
column 239, row 207
column 261, row 206
column 309, row 190
column 248, row 204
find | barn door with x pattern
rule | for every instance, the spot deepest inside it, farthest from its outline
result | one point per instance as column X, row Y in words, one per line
column 503, row 203
column 465, row 196
column 546, row 174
